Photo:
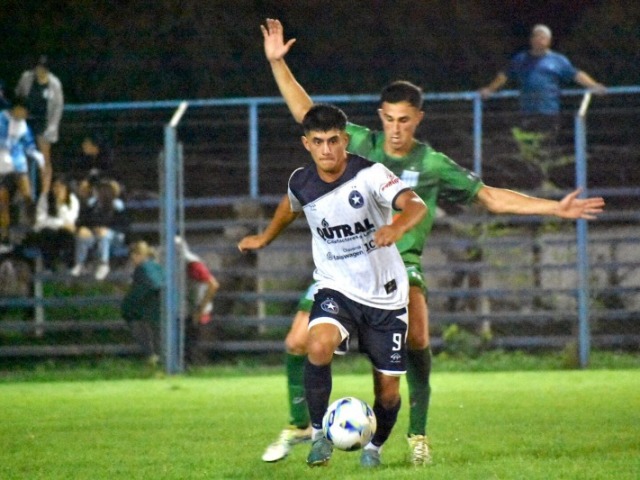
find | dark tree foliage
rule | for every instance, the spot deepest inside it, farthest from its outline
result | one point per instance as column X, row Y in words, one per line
column 169, row 49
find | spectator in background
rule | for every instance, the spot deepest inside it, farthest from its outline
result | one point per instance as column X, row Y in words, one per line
column 43, row 91
column 103, row 223
column 141, row 305
column 201, row 289
column 96, row 163
column 539, row 73
column 16, row 144
column 55, row 226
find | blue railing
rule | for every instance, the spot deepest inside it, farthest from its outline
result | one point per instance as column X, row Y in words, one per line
column 254, row 105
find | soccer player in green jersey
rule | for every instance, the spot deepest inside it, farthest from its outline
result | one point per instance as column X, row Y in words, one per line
column 432, row 175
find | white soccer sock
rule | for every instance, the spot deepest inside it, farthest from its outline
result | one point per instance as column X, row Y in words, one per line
column 371, row 446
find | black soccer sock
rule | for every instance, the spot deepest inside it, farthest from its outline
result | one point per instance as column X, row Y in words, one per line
column 298, row 411
column 418, row 373
column 386, row 419
column 317, row 385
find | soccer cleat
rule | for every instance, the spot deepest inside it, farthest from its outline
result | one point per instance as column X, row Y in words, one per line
column 370, row 458
column 76, row 270
column 420, row 454
column 320, row 453
column 289, row 437
column 102, row 271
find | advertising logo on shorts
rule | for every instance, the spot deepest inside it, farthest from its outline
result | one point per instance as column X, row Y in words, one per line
column 356, row 200
column 395, row 358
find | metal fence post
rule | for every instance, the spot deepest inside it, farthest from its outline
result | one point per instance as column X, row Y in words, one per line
column 253, row 150
column 477, row 135
column 170, row 226
column 584, row 335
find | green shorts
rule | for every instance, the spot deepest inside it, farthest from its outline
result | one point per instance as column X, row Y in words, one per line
column 416, row 277
column 306, row 302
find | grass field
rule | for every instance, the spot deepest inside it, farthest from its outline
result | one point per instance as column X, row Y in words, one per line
column 483, row 425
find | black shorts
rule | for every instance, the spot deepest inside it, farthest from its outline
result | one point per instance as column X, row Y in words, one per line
column 37, row 125
column 10, row 182
column 381, row 333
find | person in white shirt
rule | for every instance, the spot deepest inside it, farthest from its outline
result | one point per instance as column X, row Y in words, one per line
column 55, row 226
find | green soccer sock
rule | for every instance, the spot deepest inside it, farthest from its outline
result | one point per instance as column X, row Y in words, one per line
column 418, row 372
column 298, row 411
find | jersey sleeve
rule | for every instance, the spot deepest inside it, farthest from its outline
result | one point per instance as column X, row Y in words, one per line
column 296, row 205
column 457, row 184
column 566, row 69
column 386, row 184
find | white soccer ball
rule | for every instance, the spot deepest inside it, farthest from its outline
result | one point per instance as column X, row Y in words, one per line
column 349, row 423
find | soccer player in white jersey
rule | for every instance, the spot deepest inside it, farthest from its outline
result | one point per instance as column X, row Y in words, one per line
column 362, row 285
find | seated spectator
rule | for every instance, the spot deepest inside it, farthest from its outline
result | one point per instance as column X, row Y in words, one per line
column 103, row 223
column 55, row 226
column 201, row 288
column 141, row 305
column 16, row 144
column 96, row 163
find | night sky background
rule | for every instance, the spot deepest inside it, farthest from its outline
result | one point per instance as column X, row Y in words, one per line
column 150, row 50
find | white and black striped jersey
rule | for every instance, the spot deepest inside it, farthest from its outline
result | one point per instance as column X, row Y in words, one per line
column 343, row 217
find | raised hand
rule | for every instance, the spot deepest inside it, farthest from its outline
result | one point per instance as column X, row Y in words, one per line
column 274, row 46
column 573, row 207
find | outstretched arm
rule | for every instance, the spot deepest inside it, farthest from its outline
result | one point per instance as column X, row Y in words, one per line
column 587, row 81
column 282, row 218
column 412, row 210
column 275, row 50
column 501, row 200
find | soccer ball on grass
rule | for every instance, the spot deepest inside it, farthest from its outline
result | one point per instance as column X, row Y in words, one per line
column 349, row 423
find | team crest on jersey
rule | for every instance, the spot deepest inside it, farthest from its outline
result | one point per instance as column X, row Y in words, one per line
column 356, row 200
column 410, row 177
column 330, row 306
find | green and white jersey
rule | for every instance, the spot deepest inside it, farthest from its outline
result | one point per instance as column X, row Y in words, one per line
column 431, row 174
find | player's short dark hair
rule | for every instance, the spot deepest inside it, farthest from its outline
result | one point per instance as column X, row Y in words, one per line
column 323, row 117
column 402, row 91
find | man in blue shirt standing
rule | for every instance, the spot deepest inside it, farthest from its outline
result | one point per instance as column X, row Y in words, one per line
column 539, row 73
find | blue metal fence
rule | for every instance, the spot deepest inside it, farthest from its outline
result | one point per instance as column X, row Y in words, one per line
column 254, row 107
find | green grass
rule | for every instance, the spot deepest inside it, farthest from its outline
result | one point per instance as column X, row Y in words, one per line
column 113, row 368
column 483, row 425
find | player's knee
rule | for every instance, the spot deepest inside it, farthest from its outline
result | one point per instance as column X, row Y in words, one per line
column 319, row 353
column 417, row 339
column 295, row 344
column 388, row 398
